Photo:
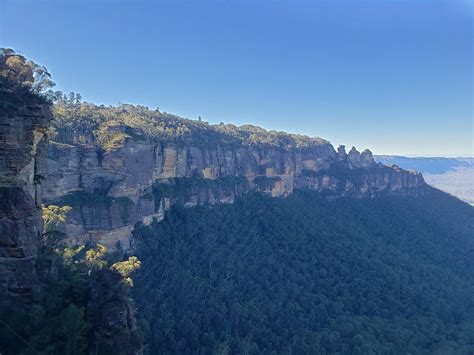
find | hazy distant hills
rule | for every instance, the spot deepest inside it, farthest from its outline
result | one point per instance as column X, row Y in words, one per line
column 427, row 165
column 453, row 175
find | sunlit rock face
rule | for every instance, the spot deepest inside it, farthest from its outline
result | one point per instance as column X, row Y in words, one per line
column 23, row 156
column 111, row 190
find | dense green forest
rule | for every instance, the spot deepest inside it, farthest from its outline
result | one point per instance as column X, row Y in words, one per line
column 304, row 275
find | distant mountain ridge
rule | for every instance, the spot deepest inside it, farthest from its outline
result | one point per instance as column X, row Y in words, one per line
column 452, row 175
column 429, row 165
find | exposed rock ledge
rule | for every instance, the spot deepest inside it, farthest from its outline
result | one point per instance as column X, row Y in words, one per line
column 110, row 191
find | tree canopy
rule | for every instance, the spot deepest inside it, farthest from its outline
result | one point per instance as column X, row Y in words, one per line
column 21, row 78
column 79, row 293
column 304, row 275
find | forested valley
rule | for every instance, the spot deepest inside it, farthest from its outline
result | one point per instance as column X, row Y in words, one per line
column 304, row 275
column 311, row 273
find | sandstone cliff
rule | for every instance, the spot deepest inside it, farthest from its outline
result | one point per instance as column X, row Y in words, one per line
column 23, row 156
column 123, row 166
column 23, row 170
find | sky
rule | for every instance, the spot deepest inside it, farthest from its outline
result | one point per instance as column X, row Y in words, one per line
column 391, row 76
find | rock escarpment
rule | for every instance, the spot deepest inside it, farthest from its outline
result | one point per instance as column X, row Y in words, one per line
column 23, row 157
column 135, row 176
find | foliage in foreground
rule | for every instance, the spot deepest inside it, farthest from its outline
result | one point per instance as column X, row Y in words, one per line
column 78, row 291
column 304, row 275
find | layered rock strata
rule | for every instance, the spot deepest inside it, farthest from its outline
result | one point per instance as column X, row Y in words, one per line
column 111, row 190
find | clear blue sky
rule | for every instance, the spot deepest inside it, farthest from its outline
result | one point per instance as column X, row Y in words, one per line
column 393, row 76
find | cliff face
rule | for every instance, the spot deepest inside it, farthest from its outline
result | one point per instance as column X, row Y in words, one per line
column 23, row 170
column 23, row 156
column 112, row 189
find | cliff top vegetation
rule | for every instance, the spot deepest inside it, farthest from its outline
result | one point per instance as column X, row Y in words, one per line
column 109, row 127
column 22, row 80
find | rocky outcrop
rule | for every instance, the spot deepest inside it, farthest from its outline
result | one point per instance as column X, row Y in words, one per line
column 23, row 156
column 110, row 190
column 112, row 312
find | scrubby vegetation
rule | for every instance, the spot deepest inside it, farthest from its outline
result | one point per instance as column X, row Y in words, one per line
column 179, row 189
column 22, row 80
column 110, row 127
column 304, row 275
column 79, row 291
column 83, row 198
